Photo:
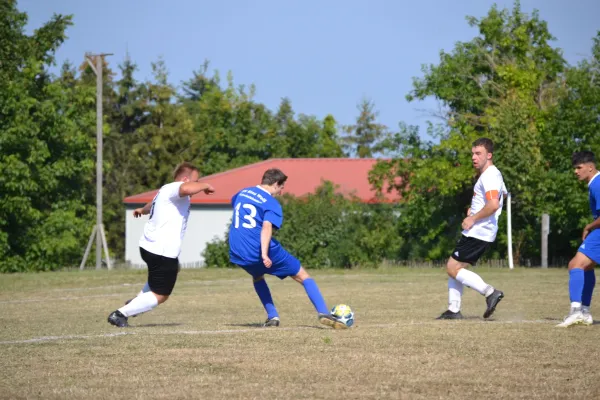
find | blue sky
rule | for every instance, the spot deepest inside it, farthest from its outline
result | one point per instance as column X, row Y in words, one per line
column 323, row 55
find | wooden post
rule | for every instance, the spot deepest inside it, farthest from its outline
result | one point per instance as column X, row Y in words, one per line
column 545, row 233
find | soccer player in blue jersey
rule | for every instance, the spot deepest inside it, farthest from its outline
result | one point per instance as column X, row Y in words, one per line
column 582, row 278
column 256, row 213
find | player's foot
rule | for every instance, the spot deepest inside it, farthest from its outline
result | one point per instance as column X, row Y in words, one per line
column 575, row 317
column 492, row 301
column 450, row 315
column 587, row 316
column 271, row 322
column 117, row 319
column 330, row 320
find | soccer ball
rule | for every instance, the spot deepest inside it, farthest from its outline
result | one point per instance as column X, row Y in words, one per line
column 344, row 313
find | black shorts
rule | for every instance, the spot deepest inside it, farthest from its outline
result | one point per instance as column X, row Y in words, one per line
column 162, row 272
column 469, row 249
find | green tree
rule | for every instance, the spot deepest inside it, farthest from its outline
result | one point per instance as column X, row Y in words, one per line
column 46, row 152
column 504, row 84
column 160, row 142
column 362, row 137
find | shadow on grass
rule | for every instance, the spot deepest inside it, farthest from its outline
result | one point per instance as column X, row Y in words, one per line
column 260, row 325
column 155, row 325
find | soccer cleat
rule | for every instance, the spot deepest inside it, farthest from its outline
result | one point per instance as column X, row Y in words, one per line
column 450, row 315
column 117, row 319
column 575, row 317
column 587, row 318
column 271, row 322
column 330, row 320
column 492, row 301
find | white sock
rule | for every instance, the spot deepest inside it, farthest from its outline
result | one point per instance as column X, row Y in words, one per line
column 141, row 304
column 575, row 304
column 585, row 309
column 455, row 291
column 474, row 281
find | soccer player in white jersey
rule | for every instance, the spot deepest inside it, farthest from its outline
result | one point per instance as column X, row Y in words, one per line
column 479, row 230
column 160, row 243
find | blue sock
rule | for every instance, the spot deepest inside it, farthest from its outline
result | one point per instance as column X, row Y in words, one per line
column 314, row 294
column 588, row 287
column 264, row 294
column 576, row 279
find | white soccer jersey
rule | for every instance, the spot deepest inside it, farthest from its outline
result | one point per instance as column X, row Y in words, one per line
column 166, row 227
column 490, row 181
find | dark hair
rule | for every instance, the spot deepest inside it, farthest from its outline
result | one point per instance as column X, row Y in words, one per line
column 485, row 142
column 273, row 176
column 582, row 157
column 185, row 168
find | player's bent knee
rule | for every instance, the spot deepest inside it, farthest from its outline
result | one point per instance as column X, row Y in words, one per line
column 301, row 276
column 576, row 264
column 452, row 267
column 258, row 278
column 581, row 261
column 161, row 298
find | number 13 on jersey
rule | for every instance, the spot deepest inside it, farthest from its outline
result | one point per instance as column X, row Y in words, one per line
column 251, row 222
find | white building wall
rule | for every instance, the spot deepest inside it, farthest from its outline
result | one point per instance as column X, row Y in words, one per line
column 204, row 224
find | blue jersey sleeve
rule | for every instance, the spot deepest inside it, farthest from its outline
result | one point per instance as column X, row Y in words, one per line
column 595, row 198
column 274, row 214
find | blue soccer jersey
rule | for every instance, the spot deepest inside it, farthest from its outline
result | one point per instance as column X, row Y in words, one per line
column 253, row 206
column 595, row 195
column 591, row 245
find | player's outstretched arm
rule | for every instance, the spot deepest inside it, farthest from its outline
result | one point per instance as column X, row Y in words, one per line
column 138, row 212
column 265, row 239
column 192, row 188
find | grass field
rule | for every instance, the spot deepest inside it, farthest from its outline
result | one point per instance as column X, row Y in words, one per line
column 206, row 341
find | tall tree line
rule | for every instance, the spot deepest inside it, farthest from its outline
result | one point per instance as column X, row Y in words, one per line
column 509, row 83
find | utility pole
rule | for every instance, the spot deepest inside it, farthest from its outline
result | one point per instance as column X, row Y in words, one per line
column 98, row 229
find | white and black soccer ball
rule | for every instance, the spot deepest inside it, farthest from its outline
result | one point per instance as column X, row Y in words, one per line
column 344, row 313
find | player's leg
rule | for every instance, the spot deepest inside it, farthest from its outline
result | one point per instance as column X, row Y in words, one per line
column 581, row 269
column 312, row 290
column 590, row 248
column 316, row 298
column 455, row 291
column 162, row 275
column 264, row 294
column 145, row 289
column 589, row 283
column 467, row 252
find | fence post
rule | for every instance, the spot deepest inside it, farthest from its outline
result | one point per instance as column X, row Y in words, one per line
column 545, row 233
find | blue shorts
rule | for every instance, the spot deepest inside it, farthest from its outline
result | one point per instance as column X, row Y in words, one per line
column 285, row 265
column 591, row 246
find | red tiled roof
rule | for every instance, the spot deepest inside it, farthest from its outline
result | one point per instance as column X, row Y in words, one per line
column 304, row 176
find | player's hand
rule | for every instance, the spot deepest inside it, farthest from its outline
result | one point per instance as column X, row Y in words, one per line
column 267, row 261
column 468, row 223
column 138, row 212
column 209, row 189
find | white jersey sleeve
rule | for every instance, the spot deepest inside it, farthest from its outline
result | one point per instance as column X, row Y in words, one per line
column 490, row 181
